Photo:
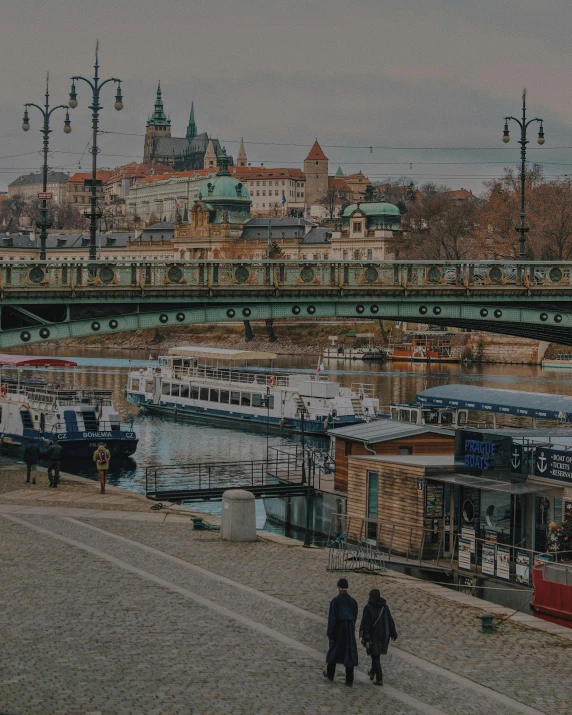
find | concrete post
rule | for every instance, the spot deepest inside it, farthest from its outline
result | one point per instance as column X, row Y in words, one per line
column 238, row 518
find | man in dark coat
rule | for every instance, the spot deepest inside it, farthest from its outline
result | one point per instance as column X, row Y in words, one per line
column 342, row 634
column 54, row 456
column 31, row 457
column 376, row 628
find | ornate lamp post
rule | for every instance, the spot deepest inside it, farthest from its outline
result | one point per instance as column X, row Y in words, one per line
column 96, row 85
column 43, row 224
column 523, row 123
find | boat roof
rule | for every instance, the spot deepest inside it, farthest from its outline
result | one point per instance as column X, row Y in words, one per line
column 383, row 430
column 220, row 353
column 35, row 361
column 510, row 402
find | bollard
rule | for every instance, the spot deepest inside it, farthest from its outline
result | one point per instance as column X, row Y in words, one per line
column 238, row 516
column 487, row 625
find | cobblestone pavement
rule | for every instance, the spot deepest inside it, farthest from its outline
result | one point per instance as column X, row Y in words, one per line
column 113, row 616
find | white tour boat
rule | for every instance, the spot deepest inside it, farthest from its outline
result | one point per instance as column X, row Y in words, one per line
column 186, row 387
column 362, row 348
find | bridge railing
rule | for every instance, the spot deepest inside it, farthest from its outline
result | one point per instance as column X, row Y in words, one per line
column 278, row 274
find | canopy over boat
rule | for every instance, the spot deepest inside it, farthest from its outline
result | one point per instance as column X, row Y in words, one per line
column 34, row 361
column 219, row 353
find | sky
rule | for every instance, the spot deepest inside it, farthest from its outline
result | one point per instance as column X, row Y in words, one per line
column 415, row 88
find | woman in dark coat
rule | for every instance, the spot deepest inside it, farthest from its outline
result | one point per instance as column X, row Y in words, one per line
column 376, row 628
column 342, row 633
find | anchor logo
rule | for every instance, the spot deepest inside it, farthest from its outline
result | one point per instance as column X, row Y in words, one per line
column 542, row 463
column 515, row 461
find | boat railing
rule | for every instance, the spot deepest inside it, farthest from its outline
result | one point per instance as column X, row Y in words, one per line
column 367, row 389
column 232, row 377
column 68, row 396
column 102, row 426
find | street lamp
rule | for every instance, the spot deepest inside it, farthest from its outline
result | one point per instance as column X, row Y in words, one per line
column 43, row 224
column 96, row 86
column 522, row 229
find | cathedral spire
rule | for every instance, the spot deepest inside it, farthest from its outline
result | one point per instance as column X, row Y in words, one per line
column 241, row 159
column 158, row 118
column 192, row 127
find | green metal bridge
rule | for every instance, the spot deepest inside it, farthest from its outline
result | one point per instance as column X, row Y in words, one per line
column 53, row 300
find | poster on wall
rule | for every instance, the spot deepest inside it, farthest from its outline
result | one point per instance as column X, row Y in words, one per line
column 464, row 554
column 434, row 500
column 503, row 562
column 522, row 572
column 491, row 536
column 489, row 556
column 468, row 533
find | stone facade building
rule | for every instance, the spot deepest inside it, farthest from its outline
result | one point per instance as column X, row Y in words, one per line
column 28, row 186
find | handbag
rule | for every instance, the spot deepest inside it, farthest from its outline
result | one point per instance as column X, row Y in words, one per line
column 367, row 644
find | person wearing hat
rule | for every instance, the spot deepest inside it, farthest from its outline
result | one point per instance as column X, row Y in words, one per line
column 342, row 634
column 102, row 457
column 376, row 628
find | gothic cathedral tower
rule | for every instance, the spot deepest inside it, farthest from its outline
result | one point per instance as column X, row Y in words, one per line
column 316, row 171
column 158, row 125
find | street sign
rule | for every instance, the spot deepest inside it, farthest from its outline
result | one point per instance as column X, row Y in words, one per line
column 45, row 196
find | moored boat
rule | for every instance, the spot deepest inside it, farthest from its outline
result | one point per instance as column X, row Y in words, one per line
column 186, row 386
column 562, row 360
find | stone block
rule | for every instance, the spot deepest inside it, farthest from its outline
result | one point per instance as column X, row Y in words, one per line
column 238, row 516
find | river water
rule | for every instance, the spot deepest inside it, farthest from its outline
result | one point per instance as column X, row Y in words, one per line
column 163, row 441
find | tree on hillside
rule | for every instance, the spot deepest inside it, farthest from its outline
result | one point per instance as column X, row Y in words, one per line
column 12, row 209
column 331, row 202
column 369, row 193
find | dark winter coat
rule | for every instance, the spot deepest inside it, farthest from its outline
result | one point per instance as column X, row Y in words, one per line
column 375, row 630
column 54, row 453
column 342, row 631
column 31, row 453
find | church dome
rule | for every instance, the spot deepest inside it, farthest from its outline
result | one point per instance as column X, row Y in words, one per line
column 372, row 208
column 223, row 187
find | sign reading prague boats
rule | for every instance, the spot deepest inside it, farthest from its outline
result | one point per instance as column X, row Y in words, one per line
column 553, row 464
column 487, row 455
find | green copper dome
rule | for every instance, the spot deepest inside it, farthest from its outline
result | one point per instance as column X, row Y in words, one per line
column 228, row 199
column 372, row 208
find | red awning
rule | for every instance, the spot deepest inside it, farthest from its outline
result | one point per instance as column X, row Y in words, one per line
column 35, row 361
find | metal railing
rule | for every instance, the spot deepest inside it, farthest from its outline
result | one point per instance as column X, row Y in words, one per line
column 245, row 275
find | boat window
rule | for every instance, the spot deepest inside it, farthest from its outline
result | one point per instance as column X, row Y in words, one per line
column 256, row 399
column 414, row 416
column 446, row 418
column 394, row 414
column 149, row 386
column 175, row 389
column 214, row 395
column 461, row 418
column 194, row 392
column 405, row 450
column 404, row 415
column 235, row 398
column 204, row 393
column 135, row 383
column 184, row 390
column 431, row 417
column 271, row 402
column 245, row 399
column 166, row 388
column 225, row 396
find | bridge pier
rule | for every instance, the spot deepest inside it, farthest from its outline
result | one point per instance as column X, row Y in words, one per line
column 248, row 333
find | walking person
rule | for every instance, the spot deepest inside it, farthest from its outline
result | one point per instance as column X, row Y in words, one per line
column 54, row 456
column 342, row 634
column 376, row 628
column 102, row 457
column 31, row 458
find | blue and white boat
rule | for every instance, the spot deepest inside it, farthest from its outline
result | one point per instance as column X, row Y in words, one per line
column 191, row 383
column 75, row 418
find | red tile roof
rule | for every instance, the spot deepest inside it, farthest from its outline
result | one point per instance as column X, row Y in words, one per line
column 338, row 184
column 316, row 153
column 262, row 172
column 102, row 174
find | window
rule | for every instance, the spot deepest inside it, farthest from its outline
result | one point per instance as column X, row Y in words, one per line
column 185, row 390
column 135, row 383
column 214, row 395
column 258, row 183
column 372, row 499
column 283, row 183
column 256, row 399
column 345, row 255
column 348, row 448
column 224, row 396
column 405, row 450
column 175, row 389
column 235, row 398
column 258, row 193
column 369, row 254
column 263, row 193
column 357, row 226
column 462, row 418
column 194, row 392
column 149, row 386
column 245, row 399
column 204, row 393
column 263, row 183
column 275, row 193
column 166, row 388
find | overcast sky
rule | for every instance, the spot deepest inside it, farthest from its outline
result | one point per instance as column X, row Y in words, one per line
column 416, row 80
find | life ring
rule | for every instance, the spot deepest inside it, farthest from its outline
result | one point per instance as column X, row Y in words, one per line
column 271, row 381
column 4, row 389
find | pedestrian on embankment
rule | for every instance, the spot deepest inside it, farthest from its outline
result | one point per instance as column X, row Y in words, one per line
column 376, row 628
column 31, row 458
column 102, row 457
column 342, row 634
column 54, row 456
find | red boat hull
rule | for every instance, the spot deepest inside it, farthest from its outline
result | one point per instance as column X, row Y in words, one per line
column 554, row 599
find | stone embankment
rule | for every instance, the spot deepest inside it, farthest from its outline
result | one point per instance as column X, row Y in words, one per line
column 491, row 348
